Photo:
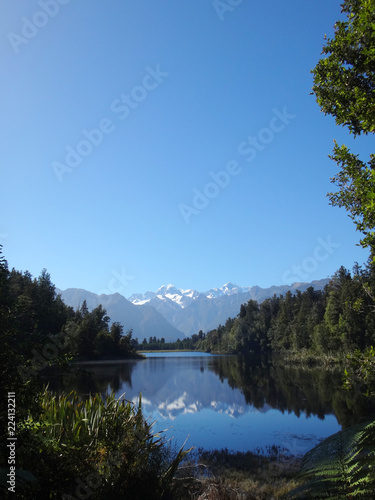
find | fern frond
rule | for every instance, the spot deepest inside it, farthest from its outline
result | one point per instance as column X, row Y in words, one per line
column 341, row 466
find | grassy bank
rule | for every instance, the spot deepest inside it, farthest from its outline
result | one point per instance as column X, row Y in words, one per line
column 101, row 449
column 228, row 475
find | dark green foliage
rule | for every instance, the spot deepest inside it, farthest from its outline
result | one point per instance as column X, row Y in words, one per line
column 38, row 330
column 39, row 333
column 97, row 448
column 356, row 183
column 360, row 373
column 344, row 85
column 342, row 466
column 348, row 312
column 344, row 80
column 154, row 344
column 337, row 320
column 90, row 337
column 23, row 331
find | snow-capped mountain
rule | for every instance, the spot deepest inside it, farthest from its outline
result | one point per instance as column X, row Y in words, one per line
column 227, row 289
column 166, row 293
column 190, row 311
column 171, row 312
column 183, row 298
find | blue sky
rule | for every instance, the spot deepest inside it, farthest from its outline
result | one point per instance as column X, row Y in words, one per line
column 151, row 142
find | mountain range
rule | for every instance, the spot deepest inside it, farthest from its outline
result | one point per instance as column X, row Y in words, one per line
column 190, row 311
column 145, row 321
column 173, row 313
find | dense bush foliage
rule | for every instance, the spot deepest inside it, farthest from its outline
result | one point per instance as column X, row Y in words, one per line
column 93, row 448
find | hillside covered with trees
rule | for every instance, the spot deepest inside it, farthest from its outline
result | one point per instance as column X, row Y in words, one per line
column 339, row 319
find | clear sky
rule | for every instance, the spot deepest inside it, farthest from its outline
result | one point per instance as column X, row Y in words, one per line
column 149, row 142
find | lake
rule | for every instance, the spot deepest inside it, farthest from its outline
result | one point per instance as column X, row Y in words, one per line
column 227, row 401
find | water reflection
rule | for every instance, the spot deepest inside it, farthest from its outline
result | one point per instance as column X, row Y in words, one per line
column 229, row 401
column 317, row 392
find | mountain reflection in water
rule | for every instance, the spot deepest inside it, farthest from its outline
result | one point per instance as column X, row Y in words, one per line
column 228, row 401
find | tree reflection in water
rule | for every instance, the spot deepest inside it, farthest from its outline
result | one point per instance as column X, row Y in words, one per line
column 312, row 391
column 263, row 381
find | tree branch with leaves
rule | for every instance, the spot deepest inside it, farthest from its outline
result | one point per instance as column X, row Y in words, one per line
column 344, row 86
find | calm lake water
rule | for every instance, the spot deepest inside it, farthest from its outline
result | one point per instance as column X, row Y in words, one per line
column 227, row 401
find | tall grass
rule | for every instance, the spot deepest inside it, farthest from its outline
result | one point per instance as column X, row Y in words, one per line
column 96, row 448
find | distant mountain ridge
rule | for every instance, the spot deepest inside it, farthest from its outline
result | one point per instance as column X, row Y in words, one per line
column 144, row 320
column 173, row 313
column 177, row 295
column 190, row 311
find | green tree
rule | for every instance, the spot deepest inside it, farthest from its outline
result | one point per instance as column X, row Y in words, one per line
column 356, row 183
column 116, row 333
column 89, row 327
column 344, row 85
column 344, row 81
column 125, row 344
column 280, row 332
column 104, row 345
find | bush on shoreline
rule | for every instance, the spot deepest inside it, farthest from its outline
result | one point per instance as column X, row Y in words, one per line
column 94, row 448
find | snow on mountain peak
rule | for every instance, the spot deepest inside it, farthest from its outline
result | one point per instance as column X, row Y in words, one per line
column 230, row 285
column 227, row 289
column 163, row 290
column 183, row 298
column 190, row 293
column 167, row 293
column 231, row 288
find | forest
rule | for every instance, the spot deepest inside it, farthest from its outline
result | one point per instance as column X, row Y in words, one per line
column 334, row 321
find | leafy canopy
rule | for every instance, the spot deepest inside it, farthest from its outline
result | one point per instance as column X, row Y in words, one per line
column 344, row 85
column 344, row 81
column 356, row 183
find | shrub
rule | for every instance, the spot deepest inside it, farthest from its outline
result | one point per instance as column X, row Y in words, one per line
column 95, row 449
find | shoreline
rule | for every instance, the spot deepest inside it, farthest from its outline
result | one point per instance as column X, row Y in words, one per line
column 259, row 474
column 170, row 350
